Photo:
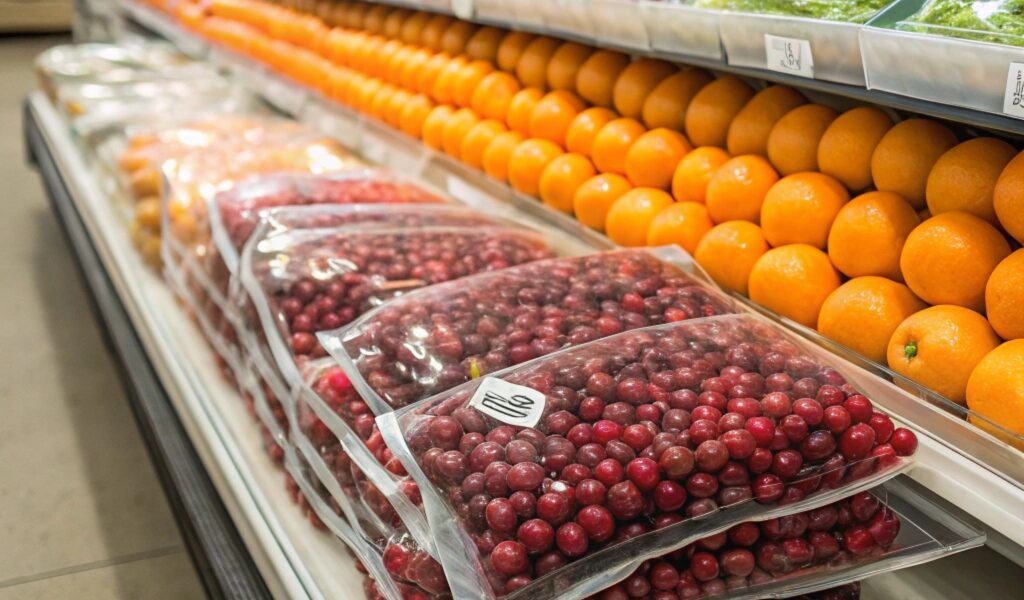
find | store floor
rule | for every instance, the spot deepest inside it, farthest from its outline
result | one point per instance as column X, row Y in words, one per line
column 81, row 511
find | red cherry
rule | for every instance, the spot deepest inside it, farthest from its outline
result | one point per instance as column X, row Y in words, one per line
column 903, row 441
column 509, row 558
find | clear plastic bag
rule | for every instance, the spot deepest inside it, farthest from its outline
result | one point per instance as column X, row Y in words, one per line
column 69, row 63
column 686, row 428
column 890, row 527
column 578, row 288
column 996, row 21
column 434, row 339
column 309, row 280
column 190, row 182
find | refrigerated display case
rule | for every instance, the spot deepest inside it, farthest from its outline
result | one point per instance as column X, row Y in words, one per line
column 963, row 489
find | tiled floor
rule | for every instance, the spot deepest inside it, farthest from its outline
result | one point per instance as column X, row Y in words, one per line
column 81, row 512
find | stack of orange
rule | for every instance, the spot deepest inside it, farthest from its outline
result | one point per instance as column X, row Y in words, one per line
column 756, row 184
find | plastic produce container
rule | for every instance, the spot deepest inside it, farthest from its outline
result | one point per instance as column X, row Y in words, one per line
column 958, row 66
column 567, row 18
column 682, row 29
column 890, row 527
column 593, row 412
column 392, row 336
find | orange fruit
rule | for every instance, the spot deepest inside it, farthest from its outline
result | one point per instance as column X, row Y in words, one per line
column 373, row 20
column 594, row 198
column 597, row 75
column 635, row 82
column 905, row 155
column 393, row 22
column 793, row 141
column 493, row 95
column 498, row 152
column 692, row 174
column 738, row 188
column 477, row 139
column 666, row 104
column 408, row 78
column 366, row 93
column 681, row 223
column 511, row 48
column 551, row 117
column 393, row 111
column 581, row 133
column 612, row 143
column 444, row 86
column 433, row 32
column 532, row 68
column 397, row 63
column 939, row 346
column 456, row 36
column 845, row 149
column 562, row 177
column 712, row 110
column 750, row 128
column 652, row 159
column 565, row 63
column 381, row 101
column 948, row 259
column 800, row 208
column 520, row 108
column 414, row 113
column 964, row 178
column 863, row 313
column 433, row 126
column 1008, row 198
column 412, row 28
column 1004, row 297
column 355, row 15
column 924, row 214
column 467, row 80
column 428, row 75
column 455, row 130
column 527, row 163
column 484, row 44
column 793, row 281
column 630, row 217
column 995, row 390
column 868, row 234
column 729, row 251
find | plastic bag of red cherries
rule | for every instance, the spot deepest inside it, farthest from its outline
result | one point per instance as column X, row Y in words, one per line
column 499, row 319
column 308, row 280
column 633, row 446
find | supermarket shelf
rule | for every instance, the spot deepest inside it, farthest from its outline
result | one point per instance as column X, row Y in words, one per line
column 991, row 489
column 636, row 43
column 247, row 537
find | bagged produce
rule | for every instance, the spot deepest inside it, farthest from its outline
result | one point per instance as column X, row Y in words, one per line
column 491, row 320
column 995, row 21
column 633, row 446
column 887, row 528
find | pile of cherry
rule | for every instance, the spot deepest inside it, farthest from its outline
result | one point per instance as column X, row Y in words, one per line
column 750, row 554
column 641, row 431
column 490, row 322
column 343, row 275
column 240, row 207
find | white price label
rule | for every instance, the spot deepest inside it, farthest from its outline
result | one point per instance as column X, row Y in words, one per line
column 509, row 403
column 788, row 55
column 1013, row 100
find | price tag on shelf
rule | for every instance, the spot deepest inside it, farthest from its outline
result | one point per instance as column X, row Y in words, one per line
column 1013, row 100
column 788, row 55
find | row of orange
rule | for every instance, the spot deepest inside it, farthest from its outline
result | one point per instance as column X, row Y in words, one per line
column 756, row 184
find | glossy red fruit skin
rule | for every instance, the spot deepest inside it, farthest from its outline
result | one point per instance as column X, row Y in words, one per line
column 903, row 441
column 857, row 441
column 536, row 535
column 884, row 527
column 572, row 539
column 509, row 558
